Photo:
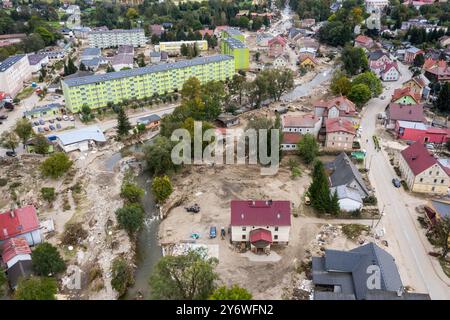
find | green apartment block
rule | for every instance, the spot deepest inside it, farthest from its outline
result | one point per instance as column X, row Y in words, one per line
column 97, row 90
column 239, row 50
column 233, row 33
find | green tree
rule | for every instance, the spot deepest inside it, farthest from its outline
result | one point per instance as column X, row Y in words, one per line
column 236, row 86
column 442, row 234
column 83, row 67
column 161, row 188
column 131, row 192
column 335, row 33
column 371, row 81
column 232, row 293
column 121, row 276
column 279, row 81
column 36, row 288
column 56, row 165
column 46, row 260
column 184, row 277
column 360, row 94
column 318, row 191
column 354, row 60
column 48, row 194
column 308, row 148
column 86, row 113
column 3, row 281
column 158, row 156
column 130, row 218
column 191, row 89
column 132, row 14
column 443, row 100
column 46, row 35
column 9, row 140
column 419, row 60
column 40, row 144
column 123, row 124
column 334, row 203
column 341, row 85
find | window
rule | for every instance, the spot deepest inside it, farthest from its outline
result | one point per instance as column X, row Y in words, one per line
column 244, row 228
column 244, row 237
column 276, row 228
column 421, row 179
column 442, row 181
column 435, row 180
column 275, row 237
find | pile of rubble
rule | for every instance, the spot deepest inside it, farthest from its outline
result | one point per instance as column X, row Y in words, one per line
column 325, row 236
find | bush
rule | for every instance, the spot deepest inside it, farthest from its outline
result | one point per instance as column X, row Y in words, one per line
column 130, row 217
column 36, row 288
column 73, row 234
column 56, row 165
column 3, row 182
column 122, row 276
column 48, row 194
column 131, row 192
column 161, row 188
column 46, row 260
column 370, row 200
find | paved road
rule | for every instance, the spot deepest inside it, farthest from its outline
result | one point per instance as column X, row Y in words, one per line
column 414, row 262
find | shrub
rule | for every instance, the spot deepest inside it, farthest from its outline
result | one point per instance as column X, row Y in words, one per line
column 122, row 276
column 352, row 231
column 36, row 288
column 131, row 192
column 130, row 217
column 56, row 165
column 48, row 194
column 370, row 200
column 3, row 182
column 46, row 260
column 162, row 188
column 73, row 234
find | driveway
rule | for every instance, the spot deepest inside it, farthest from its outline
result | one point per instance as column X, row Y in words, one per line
column 416, row 267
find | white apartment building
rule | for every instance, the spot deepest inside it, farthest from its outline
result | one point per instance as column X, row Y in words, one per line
column 117, row 37
column 174, row 47
column 13, row 72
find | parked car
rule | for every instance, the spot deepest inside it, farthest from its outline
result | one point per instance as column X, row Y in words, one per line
column 65, row 118
column 72, row 118
column 212, row 232
column 46, row 129
column 41, row 122
column 396, row 183
column 3, row 117
column 9, row 106
column 36, row 123
column 40, row 129
column 52, row 127
column 11, row 153
column 58, row 126
column 58, row 118
column 51, row 120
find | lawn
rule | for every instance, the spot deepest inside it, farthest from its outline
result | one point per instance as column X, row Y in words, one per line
column 353, row 231
column 25, row 93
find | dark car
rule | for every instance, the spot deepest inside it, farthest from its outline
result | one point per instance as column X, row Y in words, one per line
column 11, row 153
column 52, row 127
column 40, row 129
column 9, row 106
column 396, row 183
column 58, row 118
column 3, row 117
column 51, row 120
column 212, row 232
column 36, row 123
column 58, row 126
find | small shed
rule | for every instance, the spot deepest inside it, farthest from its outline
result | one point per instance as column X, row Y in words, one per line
column 228, row 120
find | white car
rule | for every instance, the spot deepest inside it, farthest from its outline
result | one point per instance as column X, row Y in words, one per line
column 72, row 118
column 65, row 118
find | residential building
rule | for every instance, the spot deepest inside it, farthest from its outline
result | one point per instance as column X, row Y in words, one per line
column 14, row 71
column 174, row 47
column 343, row 172
column 348, row 198
column 390, row 72
column 10, row 39
column 437, row 209
column 97, row 90
column 290, row 141
column 20, row 222
column 373, row 22
column 378, row 59
column 276, row 46
column 20, row 270
column 228, row 120
column 405, row 96
column 307, row 45
column 54, row 54
column 81, row 32
column 437, row 70
column 308, row 61
column 307, row 23
column 156, row 29
column 419, row 86
column 90, row 53
column 230, row 32
column 151, row 122
column 15, row 250
column 280, row 61
column 376, row 5
column 30, row 146
column 419, row 132
column 362, row 41
column 411, row 53
column 37, row 62
column 117, row 37
column 125, row 49
column 421, row 24
column 82, row 139
column 260, row 223
column 238, row 50
column 92, row 64
column 262, row 39
column 205, row 32
column 403, row 112
column 301, row 124
column 345, row 275
column 421, row 171
column 339, row 107
column 340, row 134
column 49, row 111
column 155, row 57
column 122, row 61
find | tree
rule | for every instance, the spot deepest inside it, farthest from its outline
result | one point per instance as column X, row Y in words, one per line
column 46, row 260
column 40, row 144
column 3, row 281
column 191, row 89
column 130, row 218
column 82, row 67
column 442, row 234
column 158, row 156
column 308, row 148
column 371, row 81
column 121, row 276
column 236, row 86
column 46, row 35
column 9, row 140
column 354, row 60
column 131, row 192
column 443, row 100
column 184, row 277
column 335, row 33
column 132, row 14
column 36, row 288
column 280, row 80
column 341, row 85
column 123, row 124
column 419, row 60
column 232, row 293
column 161, row 188
column 360, row 94
column 56, row 165
column 334, row 203
column 318, row 191
column 257, row 55
column 70, row 68
column 86, row 113
column 48, row 194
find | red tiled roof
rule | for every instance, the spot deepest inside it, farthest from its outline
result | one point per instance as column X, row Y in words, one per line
column 418, row 158
column 438, row 68
column 13, row 247
column 291, row 137
column 307, row 120
column 388, row 66
column 260, row 235
column 339, row 125
column 363, row 39
column 260, row 213
column 206, row 31
column 304, row 57
column 399, row 93
column 345, row 106
column 277, row 39
column 403, row 112
column 23, row 220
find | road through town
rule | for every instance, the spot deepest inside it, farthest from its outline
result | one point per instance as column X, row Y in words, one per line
column 416, row 266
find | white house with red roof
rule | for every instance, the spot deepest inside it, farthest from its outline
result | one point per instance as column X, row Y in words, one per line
column 260, row 223
column 390, row 72
column 276, row 46
column 363, row 41
column 14, row 250
column 339, row 107
column 20, row 222
column 340, row 134
column 422, row 171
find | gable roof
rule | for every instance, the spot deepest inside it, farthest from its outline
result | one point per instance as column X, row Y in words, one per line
column 418, row 158
column 339, row 125
column 402, row 92
column 303, row 121
column 344, row 172
column 18, row 221
column 377, row 54
column 345, row 192
column 389, row 66
column 404, row 112
column 14, row 247
column 291, row 137
column 260, row 213
column 345, row 106
column 363, row 39
column 277, row 39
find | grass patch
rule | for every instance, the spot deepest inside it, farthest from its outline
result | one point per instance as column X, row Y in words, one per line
column 353, row 230
column 445, row 264
column 25, row 93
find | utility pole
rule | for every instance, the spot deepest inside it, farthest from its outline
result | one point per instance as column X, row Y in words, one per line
column 381, row 216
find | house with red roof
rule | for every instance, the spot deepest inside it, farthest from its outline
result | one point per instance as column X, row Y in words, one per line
column 419, row 85
column 377, row 61
column 339, row 107
column 404, row 112
column 421, row 171
column 21, row 222
column 436, row 70
column 302, row 124
column 411, row 53
column 419, row 132
column 405, row 96
column 14, row 250
column 363, row 41
column 390, row 72
column 260, row 223
column 290, row 140
column 276, row 46
column 340, row 134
